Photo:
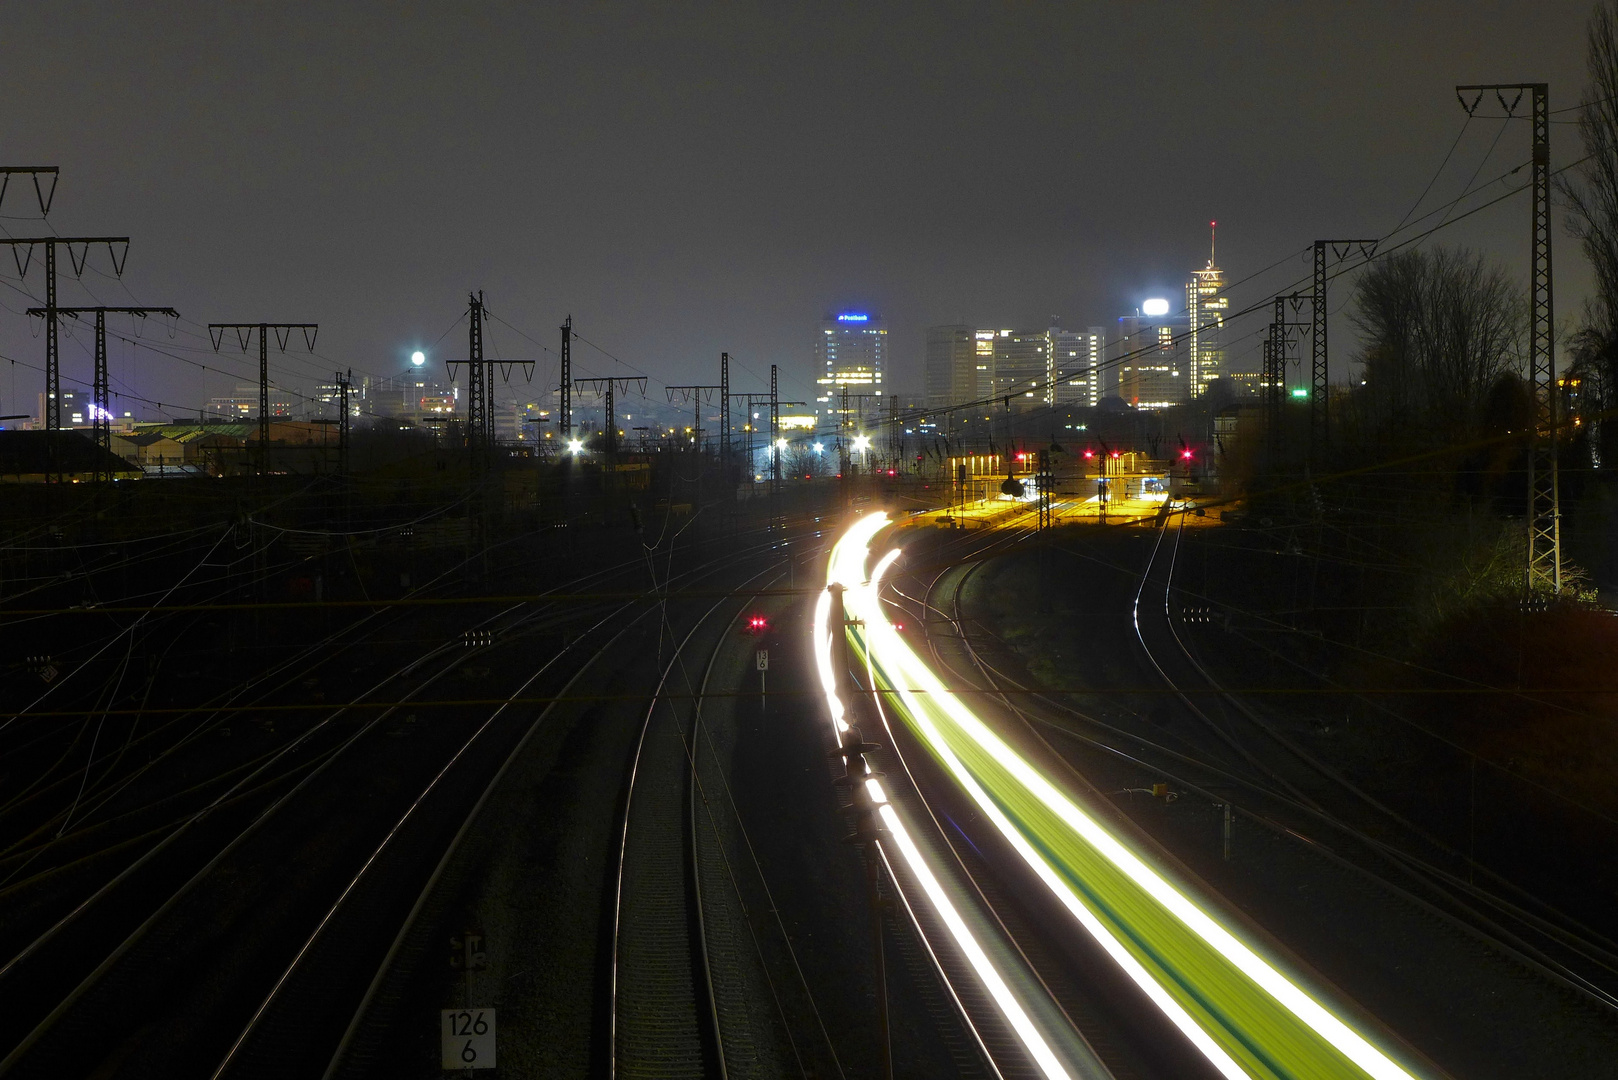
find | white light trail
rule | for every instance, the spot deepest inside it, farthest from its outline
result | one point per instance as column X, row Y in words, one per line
column 922, row 692
column 851, row 577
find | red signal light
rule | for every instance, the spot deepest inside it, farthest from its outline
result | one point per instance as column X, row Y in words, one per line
column 892, row 472
column 1088, row 454
column 1185, row 454
column 757, row 623
column 1022, row 457
column 1115, row 453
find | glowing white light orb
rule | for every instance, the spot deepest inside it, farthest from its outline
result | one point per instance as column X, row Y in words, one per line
column 862, row 442
column 574, row 446
column 780, row 444
column 418, row 358
column 1155, row 307
column 819, row 447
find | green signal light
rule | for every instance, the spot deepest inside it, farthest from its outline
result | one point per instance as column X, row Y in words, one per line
column 1299, row 392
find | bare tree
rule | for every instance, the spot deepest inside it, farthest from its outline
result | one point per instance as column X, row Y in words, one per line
column 1591, row 198
column 803, row 461
column 1441, row 327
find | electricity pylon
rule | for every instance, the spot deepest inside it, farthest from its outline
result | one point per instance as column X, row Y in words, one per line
column 101, row 393
column 22, row 250
column 1544, row 570
column 244, row 334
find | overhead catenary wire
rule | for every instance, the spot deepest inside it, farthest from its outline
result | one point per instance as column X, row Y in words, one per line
column 1262, row 306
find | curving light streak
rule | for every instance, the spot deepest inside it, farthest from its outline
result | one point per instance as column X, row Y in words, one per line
column 900, row 838
column 1243, row 1014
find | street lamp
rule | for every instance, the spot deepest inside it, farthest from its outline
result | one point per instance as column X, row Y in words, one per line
column 575, row 446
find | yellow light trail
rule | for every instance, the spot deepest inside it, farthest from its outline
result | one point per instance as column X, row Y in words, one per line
column 905, row 847
column 1247, row 1017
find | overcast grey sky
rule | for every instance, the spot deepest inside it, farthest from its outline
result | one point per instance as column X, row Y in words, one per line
column 689, row 178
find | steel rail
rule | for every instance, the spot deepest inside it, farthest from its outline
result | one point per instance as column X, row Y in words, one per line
column 1483, row 927
column 17, row 1053
column 623, row 843
column 376, row 853
column 213, row 713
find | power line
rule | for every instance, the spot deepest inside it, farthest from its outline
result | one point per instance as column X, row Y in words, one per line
column 1266, row 303
column 1459, row 135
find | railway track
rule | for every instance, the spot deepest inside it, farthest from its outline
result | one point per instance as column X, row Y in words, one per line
column 1046, row 984
column 1247, row 784
column 1547, row 940
column 169, row 809
column 1081, row 985
column 172, row 916
column 665, row 1021
column 40, row 841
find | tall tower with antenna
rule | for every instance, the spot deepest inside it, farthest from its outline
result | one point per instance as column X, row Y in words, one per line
column 1205, row 307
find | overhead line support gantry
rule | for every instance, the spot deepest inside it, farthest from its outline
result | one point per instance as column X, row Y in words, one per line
column 1319, row 403
column 53, row 364
column 480, row 389
column 101, row 392
column 1544, row 569
column 244, row 334
column 610, row 428
column 694, row 392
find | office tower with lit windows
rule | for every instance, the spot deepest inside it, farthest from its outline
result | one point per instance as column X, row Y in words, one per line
column 983, row 351
column 1205, row 306
column 952, row 365
column 243, row 405
column 80, row 410
column 1019, row 369
column 1073, row 365
column 1030, row 367
column 1150, row 349
column 851, row 349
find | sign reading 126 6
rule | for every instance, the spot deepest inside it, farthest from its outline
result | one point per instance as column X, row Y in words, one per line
column 466, row 1038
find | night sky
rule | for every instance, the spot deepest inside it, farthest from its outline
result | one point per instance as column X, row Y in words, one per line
column 690, row 178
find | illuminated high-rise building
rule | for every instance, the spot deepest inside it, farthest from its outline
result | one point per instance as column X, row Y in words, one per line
column 1030, row 367
column 851, row 350
column 1150, row 349
column 952, row 366
column 1020, row 363
column 1073, row 365
column 1205, row 307
column 983, row 361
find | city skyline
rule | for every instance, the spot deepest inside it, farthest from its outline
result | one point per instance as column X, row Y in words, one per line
column 664, row 272
column 689, row 540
